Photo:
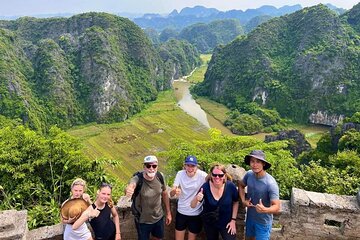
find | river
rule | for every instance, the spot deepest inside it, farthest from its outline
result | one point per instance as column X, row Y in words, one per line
column 190, row 106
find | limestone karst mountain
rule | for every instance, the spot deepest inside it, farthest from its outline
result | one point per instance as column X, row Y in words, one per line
column 90, row 67
column 299, row 64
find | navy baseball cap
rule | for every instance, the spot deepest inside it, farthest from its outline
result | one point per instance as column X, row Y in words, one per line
column 191, row 160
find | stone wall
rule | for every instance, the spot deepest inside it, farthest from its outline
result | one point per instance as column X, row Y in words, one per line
column 13, row 225
column 318, row 216
column 308, row 215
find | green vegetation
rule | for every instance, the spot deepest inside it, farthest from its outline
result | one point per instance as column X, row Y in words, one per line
column 199, row 74
column 92, row 67
column 149, row 132
column 51, row 74
column 297, row 64
column 205, row 37
column 328, row 170
column 252, row 119
column 215, row 109
column 167, row 34
column 333, row 166
column 36, row 172
column 226, row 149
column 179, row 55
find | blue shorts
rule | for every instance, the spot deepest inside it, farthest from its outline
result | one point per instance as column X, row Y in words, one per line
column 156, row 230
column 259, row 231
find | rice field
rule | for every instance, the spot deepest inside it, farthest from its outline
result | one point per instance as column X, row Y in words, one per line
column 149, row 132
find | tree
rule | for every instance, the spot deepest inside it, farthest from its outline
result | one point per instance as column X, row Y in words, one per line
column 36, row 171
column 232, row 150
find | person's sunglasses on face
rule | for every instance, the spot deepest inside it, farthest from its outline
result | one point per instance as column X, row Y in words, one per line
column 220, row 175
column 154, row 166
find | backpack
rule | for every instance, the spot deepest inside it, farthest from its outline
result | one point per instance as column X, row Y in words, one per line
column 137, row 189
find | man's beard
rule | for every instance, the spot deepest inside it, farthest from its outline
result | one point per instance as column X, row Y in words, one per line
column 151, row 174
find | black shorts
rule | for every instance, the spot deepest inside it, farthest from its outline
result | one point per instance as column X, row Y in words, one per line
column 192, row 223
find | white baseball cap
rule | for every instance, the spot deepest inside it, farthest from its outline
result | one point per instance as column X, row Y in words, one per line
column 150, row 159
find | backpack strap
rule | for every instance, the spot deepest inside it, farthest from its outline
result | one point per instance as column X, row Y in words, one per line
column 140, row 176
column 160, row 177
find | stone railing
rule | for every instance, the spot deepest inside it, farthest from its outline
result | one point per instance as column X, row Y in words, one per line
column 318, row 216
column 308, row 215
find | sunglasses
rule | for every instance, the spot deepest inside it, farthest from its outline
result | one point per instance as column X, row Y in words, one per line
column 220, row 175
column 150, row 166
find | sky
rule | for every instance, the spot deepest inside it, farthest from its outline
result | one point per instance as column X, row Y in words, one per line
column 36, row 7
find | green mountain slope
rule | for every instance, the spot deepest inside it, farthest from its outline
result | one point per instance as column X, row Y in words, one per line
column 300, row 64
column 16, row 98
column 179, row 56
column 353, row 17
column 90, row 67
column 205, row 37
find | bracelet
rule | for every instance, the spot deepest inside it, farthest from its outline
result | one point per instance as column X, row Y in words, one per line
column 233, row 219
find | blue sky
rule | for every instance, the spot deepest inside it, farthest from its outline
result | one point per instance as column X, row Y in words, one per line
column 34, row 7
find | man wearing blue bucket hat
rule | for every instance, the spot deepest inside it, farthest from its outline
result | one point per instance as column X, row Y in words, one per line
column 262, row 198
column 186, row 185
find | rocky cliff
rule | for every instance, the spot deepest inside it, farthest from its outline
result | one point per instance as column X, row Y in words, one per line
column 67, row 71
column 299, row 64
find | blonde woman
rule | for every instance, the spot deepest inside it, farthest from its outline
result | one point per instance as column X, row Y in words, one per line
column 220, row 200
column 78, row 188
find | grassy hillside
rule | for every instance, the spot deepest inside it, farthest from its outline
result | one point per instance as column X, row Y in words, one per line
column 149, row 132
column 199, row 73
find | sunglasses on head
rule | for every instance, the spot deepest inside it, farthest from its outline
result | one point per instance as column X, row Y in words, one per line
column 151, row 166
column 105, row 185
column 220, row 175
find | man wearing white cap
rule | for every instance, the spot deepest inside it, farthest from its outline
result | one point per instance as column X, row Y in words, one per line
column 150, row 193
column 186, row 185
column 262, row 199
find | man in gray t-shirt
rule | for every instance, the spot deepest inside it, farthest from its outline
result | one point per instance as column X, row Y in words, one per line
column 262, row 199
column 149, row 201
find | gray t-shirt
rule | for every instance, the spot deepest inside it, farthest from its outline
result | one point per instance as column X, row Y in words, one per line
column 149, row 200
column 264, row 188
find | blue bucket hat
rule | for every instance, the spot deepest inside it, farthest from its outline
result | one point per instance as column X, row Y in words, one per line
column 191, row 160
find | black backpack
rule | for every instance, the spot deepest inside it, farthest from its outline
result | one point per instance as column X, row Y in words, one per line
column 137, row 189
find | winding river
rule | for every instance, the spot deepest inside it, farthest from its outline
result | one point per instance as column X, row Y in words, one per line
column 189, row 105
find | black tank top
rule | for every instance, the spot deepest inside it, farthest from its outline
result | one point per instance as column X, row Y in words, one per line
column 103, row 226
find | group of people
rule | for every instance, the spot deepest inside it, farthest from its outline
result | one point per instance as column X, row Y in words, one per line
column 208, row 201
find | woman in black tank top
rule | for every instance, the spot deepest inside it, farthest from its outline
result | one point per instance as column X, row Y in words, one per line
column 99, row 214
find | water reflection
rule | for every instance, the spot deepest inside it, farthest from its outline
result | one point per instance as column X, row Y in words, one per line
column 187, row 103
